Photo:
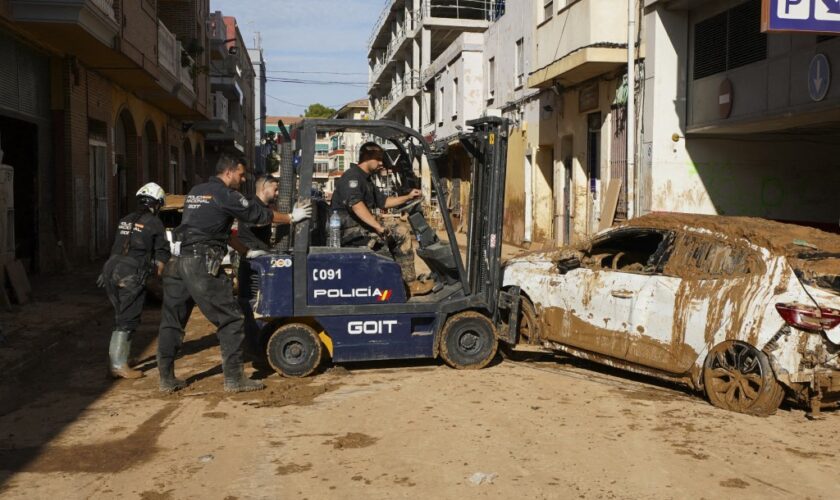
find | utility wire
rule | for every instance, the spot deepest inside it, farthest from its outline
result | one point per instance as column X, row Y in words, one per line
column 314, row 72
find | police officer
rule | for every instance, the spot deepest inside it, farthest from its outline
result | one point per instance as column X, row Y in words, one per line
column 140, row 248
column 252, row 241
column 209, row 211
column 355, row 196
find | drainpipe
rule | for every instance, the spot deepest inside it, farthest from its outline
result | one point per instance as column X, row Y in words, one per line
column 632, row 177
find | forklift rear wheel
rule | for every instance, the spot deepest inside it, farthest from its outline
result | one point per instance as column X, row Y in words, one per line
column 294, row 350
column 468, row 341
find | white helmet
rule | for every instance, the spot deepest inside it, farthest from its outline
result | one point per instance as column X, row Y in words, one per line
column 153, row 191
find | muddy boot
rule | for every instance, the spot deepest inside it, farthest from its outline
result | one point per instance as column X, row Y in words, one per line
column 418, row 287
column 235, row 380
column 168, row 382
column 118, row 356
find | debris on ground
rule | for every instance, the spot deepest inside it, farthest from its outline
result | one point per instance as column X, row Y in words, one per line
column 480, row 478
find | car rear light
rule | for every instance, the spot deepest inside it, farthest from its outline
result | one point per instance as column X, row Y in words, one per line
column 809, row 317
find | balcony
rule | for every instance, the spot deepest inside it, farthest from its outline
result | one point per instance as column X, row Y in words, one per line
column 174, row 89
column 85, row 28
column 217, row 33
column 597, row 43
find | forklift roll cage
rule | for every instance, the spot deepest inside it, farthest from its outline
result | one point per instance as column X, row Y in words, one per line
column 478, row 286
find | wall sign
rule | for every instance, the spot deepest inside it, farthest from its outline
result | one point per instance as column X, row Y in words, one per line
column 819, row 77
column 816, row 16
column 588, row 97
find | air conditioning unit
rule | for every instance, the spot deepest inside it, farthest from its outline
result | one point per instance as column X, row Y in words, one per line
column 7, row 213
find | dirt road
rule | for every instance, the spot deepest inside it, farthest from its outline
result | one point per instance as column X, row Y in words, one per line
column 546, row 428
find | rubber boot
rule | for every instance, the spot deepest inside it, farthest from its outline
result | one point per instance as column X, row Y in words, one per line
column 118, row 356
column 168, row 382
column 235, row 380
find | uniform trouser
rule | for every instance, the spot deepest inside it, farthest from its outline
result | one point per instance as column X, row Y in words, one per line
column 186, row 280
column 398, row 246
column 125, row 286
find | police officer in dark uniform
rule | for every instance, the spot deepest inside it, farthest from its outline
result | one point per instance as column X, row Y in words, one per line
column 255, row 240
column 140, row 248
column 356, row 195
column 209, row 212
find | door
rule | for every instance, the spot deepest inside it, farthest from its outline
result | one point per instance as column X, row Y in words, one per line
column 619, row 298
column 593, row 166
column 99, row 197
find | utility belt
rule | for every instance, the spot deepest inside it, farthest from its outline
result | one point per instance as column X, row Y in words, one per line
column 212, row 255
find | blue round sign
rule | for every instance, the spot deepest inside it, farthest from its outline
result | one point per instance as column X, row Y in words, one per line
column 819, row 77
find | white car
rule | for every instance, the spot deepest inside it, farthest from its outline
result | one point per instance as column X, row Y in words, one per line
column 746, row 310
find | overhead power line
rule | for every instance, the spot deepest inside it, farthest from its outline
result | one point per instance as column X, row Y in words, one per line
column 315, row 72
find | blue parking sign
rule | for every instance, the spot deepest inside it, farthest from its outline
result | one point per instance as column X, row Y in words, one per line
column 815, row 16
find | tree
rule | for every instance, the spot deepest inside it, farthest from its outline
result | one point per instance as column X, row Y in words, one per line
column 318, row 110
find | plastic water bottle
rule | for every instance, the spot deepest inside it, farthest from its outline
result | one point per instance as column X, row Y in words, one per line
column 334, row 234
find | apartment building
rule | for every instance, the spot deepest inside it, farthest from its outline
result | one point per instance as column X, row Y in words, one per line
column 344, row 146
column 260, row 109
column 96, row 99
column 736, row 121
column 407, row 37
column 232, row 126
column 508, row 57
column 580, row 154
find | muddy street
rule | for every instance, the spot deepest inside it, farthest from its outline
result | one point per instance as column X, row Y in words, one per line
column 535, row 428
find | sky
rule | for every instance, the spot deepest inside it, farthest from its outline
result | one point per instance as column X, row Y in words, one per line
column 325, row 36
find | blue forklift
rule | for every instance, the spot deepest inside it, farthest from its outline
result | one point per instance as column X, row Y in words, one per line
column 351, row 304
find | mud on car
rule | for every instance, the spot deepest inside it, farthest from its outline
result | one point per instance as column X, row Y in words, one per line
column 745, row 310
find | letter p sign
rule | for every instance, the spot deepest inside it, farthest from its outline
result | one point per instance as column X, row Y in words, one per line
column 793, row 9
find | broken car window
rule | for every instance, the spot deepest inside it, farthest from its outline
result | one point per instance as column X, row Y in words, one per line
column 632, row 251
column 702, row 257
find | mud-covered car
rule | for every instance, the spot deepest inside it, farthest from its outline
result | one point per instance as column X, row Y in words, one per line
column 746, row 310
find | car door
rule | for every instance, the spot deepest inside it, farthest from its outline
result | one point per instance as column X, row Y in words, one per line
column 720, row 292
column 607, row 301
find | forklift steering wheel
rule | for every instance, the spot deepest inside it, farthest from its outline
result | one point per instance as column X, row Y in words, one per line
column 409, row 207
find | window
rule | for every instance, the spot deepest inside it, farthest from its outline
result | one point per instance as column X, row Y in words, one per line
column 454, row 98
column 729, row 40
column 491, row 78
column 629, row 250
column 520, row 62
column 701, row 257
column 548, row 9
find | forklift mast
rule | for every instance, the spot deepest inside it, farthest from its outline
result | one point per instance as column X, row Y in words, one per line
column 487, row 145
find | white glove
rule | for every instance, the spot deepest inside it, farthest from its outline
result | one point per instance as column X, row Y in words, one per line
column 301, row 212
column 255, row 253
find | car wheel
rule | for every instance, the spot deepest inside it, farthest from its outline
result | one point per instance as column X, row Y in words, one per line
column 468, row 341
column 738, row 377
column 528, row 330
column 294, row 350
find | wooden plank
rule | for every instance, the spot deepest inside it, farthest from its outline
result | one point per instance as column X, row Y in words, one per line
column 610, row 204
column 19, row 281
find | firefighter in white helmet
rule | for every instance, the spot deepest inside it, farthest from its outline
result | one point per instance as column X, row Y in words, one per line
column 140, row 248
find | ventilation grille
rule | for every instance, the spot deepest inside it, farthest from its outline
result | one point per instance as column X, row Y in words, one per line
column 729, row 40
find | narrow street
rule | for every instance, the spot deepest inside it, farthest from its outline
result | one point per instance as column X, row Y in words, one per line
column 538, row 428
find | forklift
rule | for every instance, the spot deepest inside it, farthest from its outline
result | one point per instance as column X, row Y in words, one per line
column 351, row 304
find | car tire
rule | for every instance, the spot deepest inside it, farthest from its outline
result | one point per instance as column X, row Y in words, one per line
column 528, row 329
column 468, row 341
column 738, row 377
column 294, row 350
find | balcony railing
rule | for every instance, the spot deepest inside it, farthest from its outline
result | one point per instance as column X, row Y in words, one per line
column 168, row 50
column 107, row 7
column 184, row 74
column 394, row 44
column 220, row 106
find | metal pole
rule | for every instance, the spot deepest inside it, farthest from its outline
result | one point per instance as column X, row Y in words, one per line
column 632, row 177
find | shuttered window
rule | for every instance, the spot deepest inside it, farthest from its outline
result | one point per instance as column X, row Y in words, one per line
column 729, row 40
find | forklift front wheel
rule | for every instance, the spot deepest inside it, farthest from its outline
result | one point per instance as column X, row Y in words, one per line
column 294, row 350
column 468, row 341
